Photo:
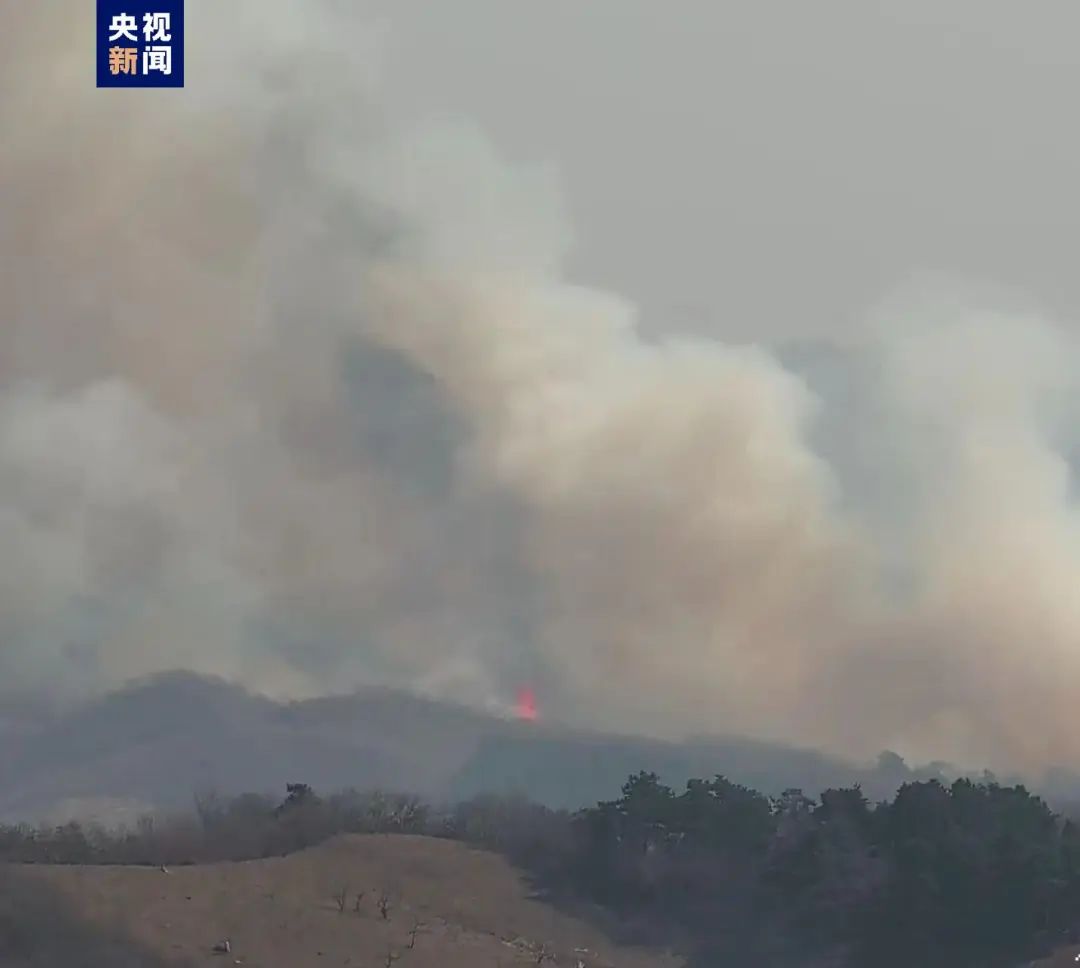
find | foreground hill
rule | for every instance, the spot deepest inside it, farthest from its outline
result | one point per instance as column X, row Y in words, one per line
column 469, row 908
column 156, row 743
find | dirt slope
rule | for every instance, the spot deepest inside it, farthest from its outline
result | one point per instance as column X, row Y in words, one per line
column 473, row 910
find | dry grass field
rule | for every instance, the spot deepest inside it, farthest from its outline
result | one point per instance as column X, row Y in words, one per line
column 446, row 906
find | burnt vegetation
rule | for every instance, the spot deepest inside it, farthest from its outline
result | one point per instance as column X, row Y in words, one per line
column 963, row 874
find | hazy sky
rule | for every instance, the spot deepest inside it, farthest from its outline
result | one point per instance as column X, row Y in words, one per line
column 774, row 167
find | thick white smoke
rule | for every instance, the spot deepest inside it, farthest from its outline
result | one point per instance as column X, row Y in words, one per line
column 294, row 396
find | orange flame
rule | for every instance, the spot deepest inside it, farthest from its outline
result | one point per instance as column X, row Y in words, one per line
column 526, row 705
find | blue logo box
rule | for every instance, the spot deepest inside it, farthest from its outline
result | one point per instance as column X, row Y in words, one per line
column 140, row 43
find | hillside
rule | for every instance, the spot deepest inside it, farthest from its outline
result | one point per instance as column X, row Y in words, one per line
column 471, row 909
column 155, row 743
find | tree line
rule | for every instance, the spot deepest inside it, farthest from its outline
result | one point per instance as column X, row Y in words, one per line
column 961, row 874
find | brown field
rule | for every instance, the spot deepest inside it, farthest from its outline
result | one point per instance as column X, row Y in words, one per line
column 470, row 909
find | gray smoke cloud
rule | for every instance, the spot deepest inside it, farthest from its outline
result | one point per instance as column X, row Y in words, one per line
column 294, row 395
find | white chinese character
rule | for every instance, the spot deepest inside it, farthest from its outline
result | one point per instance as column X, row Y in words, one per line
column 123, row 25
column 157, row 59
column 157, row 26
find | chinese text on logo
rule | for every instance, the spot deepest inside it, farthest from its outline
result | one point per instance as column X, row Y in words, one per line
column 140, row 43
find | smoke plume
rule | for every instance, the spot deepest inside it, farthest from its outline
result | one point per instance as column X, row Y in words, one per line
column 294, row 395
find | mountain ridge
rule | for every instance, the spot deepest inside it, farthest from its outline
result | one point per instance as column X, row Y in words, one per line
column 159, row 741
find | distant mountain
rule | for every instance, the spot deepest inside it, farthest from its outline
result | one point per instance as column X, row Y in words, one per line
column 160, row 741
column 571, row 769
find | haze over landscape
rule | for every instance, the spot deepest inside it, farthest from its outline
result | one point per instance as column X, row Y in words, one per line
column 312, row 380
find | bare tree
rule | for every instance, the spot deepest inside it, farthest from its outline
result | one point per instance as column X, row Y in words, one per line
column 359, row 898
column 391, row 957
column 341, row 897
column 413, row 931
column 209, row 808
column 384, row 905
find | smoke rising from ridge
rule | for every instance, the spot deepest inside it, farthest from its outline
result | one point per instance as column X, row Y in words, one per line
column 295, row 396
